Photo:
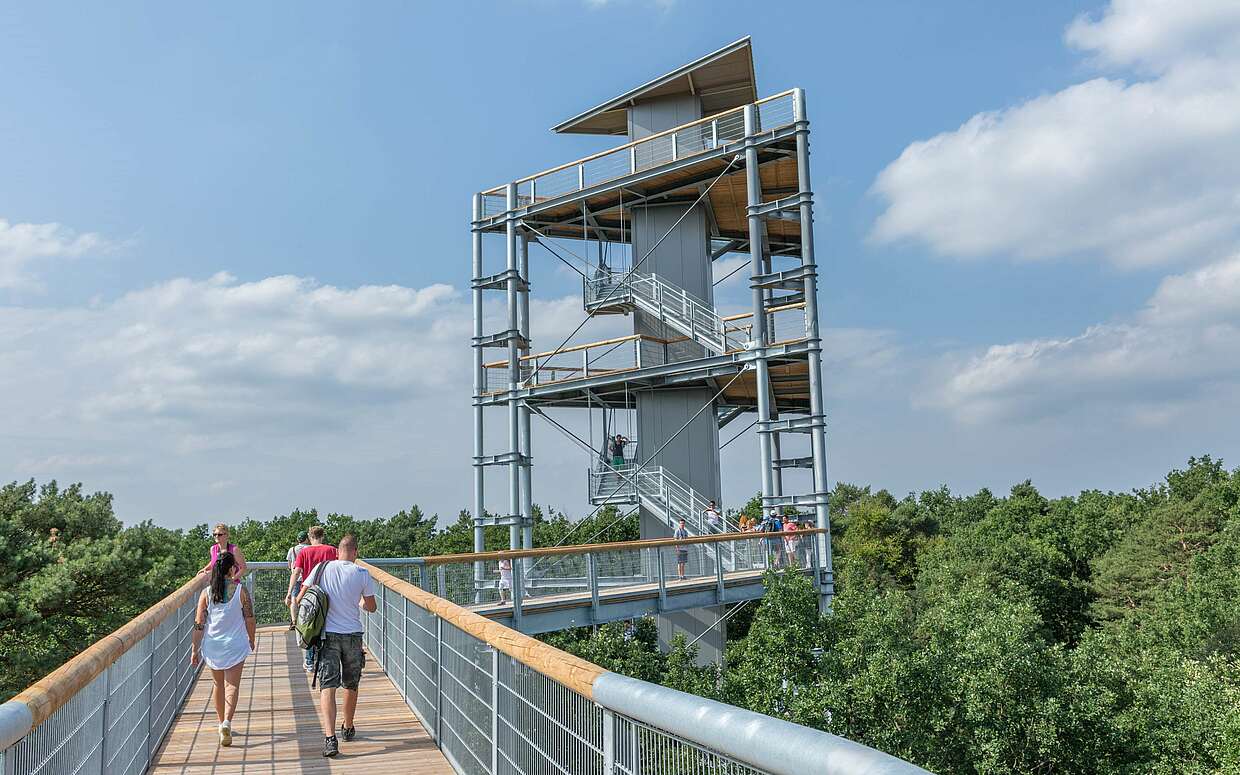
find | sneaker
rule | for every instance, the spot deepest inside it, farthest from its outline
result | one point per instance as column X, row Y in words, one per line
column 225, row 736
column 348, row 733
column 331, row 746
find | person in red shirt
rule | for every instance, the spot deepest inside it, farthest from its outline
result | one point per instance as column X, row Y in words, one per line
column 307, row 560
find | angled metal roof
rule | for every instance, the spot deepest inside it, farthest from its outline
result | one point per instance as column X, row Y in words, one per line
column 722, row 79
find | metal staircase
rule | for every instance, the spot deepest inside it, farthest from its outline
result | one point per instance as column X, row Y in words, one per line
column 660, row 491
column 611, row 293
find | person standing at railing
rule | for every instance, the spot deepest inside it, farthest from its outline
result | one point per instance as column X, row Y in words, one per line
column 306, row 561
column 774, row 545
column 294, row 575
column 223, row 637
column 220, row 534
column 792, row 542
column 505, row 580
column 682, row 550
column 350, row 590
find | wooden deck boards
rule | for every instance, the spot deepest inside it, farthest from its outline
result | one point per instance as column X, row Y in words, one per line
column 276, row 728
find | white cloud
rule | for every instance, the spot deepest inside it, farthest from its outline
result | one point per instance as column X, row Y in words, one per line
column 1140, row 172
column 1176, row 354
column 22, row 245
column 1158, row 34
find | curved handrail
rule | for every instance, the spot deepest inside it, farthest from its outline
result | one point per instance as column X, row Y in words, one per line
column 40, row 700
column 762, row 743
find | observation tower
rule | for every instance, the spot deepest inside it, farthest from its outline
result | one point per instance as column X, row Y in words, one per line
column 709, row 172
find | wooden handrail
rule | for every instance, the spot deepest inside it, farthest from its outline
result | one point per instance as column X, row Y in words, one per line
column 770, row 311
column 46, row 696
column 588, row 345
column 553, row 551
column 648, row 138
column 571, row 671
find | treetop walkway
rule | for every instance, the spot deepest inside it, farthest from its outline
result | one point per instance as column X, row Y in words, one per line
column 447, row 688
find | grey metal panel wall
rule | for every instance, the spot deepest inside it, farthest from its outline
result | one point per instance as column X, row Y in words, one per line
column 694, row 454
column 651, row 116
column 682, row 257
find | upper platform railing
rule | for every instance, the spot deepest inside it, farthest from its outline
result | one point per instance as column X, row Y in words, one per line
column 495, row 701
column 681, row 142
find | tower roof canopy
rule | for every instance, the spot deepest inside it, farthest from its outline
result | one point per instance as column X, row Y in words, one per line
column 722, row 79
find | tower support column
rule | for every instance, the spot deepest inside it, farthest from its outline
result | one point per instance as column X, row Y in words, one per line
column 527, row 473
column 479, row 388
column 514, row 375
column 818, row 432
column 753, row 185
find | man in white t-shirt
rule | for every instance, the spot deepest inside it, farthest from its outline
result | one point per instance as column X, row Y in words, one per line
column 350, row 590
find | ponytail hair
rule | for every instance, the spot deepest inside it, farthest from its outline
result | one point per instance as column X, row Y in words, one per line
column 219, row 575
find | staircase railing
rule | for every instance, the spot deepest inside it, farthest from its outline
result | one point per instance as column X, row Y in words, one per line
column 671, row 304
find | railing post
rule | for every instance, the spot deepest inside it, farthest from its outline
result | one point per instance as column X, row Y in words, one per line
column 421, row 582
column 719, row 572
column 438, row 681
column 714, row 133
column 632, row 159
column 592, row 580
column 150, row 689
column 404, row 647
column 609, row 742
column 104, row 711
column 658, row 554
column 441, row 580
column 585, row 363
column 495, row 708
column 581, row 177
column 518, row 594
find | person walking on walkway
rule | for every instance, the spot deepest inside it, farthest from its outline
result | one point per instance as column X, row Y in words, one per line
column 220, row 535
column 306, row 561
column 294, row 575
column 223, row 638
column 350, row 590
column 682, row 550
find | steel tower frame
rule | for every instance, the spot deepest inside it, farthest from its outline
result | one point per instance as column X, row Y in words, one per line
column 518, row 211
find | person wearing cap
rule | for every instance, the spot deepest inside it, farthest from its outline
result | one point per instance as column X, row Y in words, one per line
column 294, row 579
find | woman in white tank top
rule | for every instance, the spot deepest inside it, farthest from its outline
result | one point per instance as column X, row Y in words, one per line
column 224, row 638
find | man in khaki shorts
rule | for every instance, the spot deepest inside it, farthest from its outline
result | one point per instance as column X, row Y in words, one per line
column 350, row 590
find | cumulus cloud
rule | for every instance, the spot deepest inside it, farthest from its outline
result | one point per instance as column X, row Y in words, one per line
column 23, row 245
column 1140, row 172
column 1181, row 349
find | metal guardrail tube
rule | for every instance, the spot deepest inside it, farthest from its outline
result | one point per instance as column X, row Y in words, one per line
column 769, row 744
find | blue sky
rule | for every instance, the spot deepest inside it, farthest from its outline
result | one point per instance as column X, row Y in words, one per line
column 233, row 240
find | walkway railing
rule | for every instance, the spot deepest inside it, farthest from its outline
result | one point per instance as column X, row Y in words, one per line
column 107, row 709
column 501, row 703
column 671, row 145
column 592, row 571
column 496, row 702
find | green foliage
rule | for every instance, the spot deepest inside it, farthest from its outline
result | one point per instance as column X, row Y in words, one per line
column 970, row 634
column 1020, row 634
